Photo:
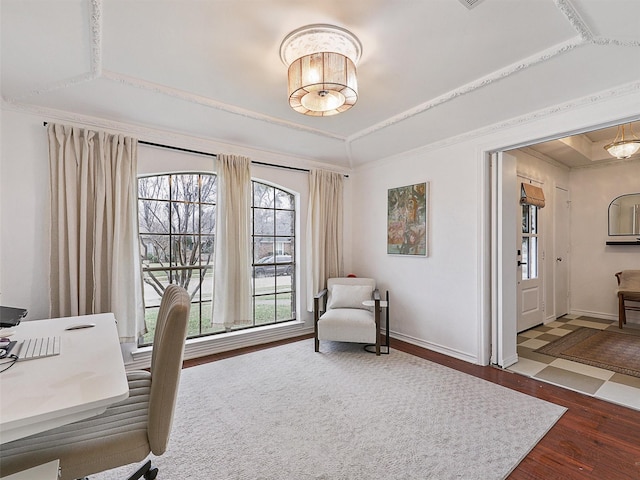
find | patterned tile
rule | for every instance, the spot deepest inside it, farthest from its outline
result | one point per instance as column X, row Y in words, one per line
column 626, row 380
column 530, row 334
column 531, row 354
column 582, row 369
column 527, row 367
column 549, row 337
column 560, row 332
column 604, row 384
column 571, row 380
column 620, row 394
column 534, row 343
column 589, row 323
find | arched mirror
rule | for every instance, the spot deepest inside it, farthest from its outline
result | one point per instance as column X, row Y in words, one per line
column 624, row 215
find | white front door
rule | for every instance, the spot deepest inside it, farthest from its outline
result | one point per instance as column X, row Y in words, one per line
column 561, row 250
column 529, row 275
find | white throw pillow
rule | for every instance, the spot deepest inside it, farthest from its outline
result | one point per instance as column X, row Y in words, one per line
column 349, row 296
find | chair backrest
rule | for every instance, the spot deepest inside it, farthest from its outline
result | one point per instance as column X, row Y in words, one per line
column 629, row 280
column 354, row 297
column 166, row 364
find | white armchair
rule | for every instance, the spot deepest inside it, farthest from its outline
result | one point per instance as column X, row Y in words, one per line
column 340, row 316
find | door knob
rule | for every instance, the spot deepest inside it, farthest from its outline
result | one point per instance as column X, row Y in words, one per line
column 521, row 263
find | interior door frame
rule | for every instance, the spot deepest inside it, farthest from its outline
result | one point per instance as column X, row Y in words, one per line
column 504, row 218
column 496, row 305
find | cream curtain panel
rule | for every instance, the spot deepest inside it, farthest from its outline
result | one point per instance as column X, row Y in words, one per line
column 94, row 260
column 232, row 269
column 324, row 230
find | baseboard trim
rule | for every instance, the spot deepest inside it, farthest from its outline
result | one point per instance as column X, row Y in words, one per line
column 588, row 313
column 436, row 348
column 224, row 342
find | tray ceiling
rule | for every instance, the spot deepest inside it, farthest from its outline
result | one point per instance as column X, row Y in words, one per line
column 430, row 70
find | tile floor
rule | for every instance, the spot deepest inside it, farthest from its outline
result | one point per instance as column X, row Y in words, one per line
column 597, row 382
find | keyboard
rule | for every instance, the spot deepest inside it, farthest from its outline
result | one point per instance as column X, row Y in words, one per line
column 39, row 347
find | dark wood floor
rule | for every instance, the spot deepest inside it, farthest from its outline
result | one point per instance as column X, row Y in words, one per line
column 594, row 439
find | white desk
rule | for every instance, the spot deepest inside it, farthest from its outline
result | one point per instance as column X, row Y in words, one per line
column 44, row 393
column 48, row 471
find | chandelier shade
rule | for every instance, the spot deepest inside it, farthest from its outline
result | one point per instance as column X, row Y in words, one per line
column 322, row 84
column 622, row 147
column 322, row 78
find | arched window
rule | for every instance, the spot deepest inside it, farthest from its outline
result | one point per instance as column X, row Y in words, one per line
column 274, row 226
column 176, row 219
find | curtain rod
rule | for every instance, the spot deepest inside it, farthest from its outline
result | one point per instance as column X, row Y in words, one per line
column 180, row 149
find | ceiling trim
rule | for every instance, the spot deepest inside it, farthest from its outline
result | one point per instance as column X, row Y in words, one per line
column 585, row 37
column 471, row 86
column 96, row 36
column 142, row 132
column 627, row 89
column 209, row 102
column 574, row 18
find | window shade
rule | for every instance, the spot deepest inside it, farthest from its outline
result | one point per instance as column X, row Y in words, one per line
column 531, row 195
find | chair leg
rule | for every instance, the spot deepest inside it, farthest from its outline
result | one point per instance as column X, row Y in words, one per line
column 622, row 317
column 317, row 342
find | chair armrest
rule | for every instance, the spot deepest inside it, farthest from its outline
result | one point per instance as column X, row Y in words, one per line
column 316, row 304
column 321, row 294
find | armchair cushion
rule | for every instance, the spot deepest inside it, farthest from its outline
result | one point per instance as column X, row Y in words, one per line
column 349, row 296
column 351, row 325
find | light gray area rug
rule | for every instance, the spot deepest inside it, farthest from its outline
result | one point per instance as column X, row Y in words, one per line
column 289, row 413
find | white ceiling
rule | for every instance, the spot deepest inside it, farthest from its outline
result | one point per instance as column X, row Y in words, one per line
column 430, row 69
column 585, row 149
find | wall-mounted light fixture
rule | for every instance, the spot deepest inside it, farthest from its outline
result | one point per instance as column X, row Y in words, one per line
column 322, row 69
column 622, row 147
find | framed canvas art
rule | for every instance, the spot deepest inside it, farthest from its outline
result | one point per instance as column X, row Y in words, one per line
column 407, row 220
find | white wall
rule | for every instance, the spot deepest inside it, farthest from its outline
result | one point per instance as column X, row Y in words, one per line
column 440, row 301
column 24, row 201
column 434, row 299
column 595, row 263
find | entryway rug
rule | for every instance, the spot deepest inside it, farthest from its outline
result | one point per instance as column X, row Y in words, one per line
column 618, row 352
column 288, row 413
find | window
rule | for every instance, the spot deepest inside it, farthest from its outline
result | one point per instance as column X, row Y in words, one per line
column 529, row 242
column 176, row 221
column 273, row 220
column 176, row 218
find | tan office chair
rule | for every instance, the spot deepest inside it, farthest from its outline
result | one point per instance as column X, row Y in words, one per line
column 127, row 431
column 345, row 318
column 628, row 291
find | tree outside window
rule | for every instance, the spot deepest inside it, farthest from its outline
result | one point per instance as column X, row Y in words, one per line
column 176, row 216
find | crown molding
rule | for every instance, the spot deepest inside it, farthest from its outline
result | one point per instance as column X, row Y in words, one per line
column 545, row 158
column 209, row 102
column 621, row 91
column 471, row 86
column 574, row 18
column 166, row 137
column 95, row 23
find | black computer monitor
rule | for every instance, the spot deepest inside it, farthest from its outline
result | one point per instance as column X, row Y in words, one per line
column 11, row 316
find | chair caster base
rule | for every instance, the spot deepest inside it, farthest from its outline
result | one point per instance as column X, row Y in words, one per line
column 145, row 471
column 151, row 474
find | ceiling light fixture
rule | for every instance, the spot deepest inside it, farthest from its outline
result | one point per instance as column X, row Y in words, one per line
column 621, row 147
column 322, row 69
